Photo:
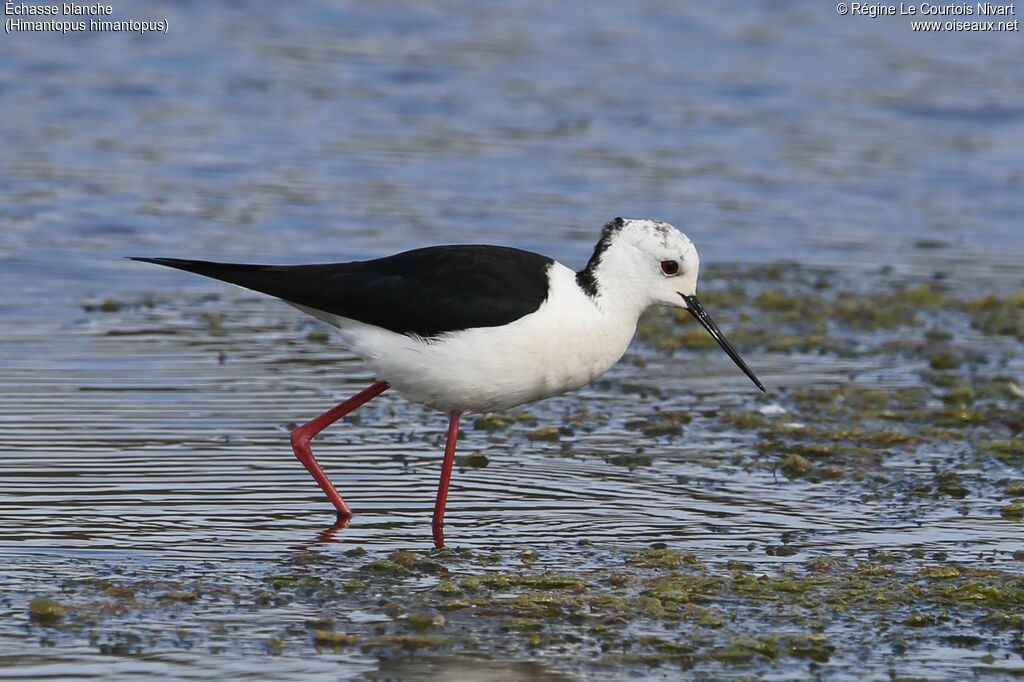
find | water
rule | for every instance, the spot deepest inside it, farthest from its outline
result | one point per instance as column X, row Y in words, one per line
column 156, row 434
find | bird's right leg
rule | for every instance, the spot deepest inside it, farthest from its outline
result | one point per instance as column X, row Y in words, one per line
column 302, row 436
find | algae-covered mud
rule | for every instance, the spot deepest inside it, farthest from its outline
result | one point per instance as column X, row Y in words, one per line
column 864, row 518
column 607, row 613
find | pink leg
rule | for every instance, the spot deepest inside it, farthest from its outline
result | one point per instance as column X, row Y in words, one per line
column 305, row 433
column 446, row 477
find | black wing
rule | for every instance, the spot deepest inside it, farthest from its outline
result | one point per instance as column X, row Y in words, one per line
column 426, row 291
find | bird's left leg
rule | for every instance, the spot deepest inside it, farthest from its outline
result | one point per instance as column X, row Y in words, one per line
column 446, row 477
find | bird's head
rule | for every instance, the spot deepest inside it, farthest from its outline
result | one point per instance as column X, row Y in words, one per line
column 649, row 262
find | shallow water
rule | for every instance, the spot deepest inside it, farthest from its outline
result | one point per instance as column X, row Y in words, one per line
column 171, row 435
column 194, row 451
column 153, row 436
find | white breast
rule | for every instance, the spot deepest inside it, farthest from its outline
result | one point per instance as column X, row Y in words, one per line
column 566, row 343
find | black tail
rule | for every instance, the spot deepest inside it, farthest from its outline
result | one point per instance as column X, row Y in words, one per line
column 293, row 283
column 248, row 276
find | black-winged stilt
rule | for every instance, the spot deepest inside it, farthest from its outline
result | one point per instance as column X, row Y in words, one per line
column 481, row 328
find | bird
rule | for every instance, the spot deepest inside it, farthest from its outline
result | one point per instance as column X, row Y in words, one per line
column 477, row 328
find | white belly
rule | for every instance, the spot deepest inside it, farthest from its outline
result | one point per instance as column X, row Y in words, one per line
column 564, row 345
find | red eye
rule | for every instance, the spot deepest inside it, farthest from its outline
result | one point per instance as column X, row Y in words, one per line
column 670, row 267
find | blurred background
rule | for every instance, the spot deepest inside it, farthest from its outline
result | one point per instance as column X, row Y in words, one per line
column 768, row 131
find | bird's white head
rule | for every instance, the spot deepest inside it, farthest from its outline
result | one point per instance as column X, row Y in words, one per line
column 641, row 262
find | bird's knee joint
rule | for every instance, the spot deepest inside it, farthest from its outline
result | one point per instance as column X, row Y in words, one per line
column 299, row 438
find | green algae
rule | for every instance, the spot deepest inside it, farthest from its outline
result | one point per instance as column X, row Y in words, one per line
column 795, row 465
column 945, row 359
column 683, row 589
column 815, row 440
column 799, row 321
column 386, row 567
column 940, row 572
column 1015, row 489
column 334, row 639
column 303, row 584
column 765, row 587
column 408, row 642
column 654, row 606
column 792, row 319
column 45, row 610
column 526, row 626
column 744, row 648
column 178, row 595
column 848, row 437
column 659, row 557
column 919, row 620
column 318, row 336
column 962, row 394
column 985, row 593
column 420, row 622
column 949, row 483
column 447, row 588
column 548, row 433
column 620, row 579
column 583, row 418
column 320, row 623
column 1013, row 511
column 998, row 315
column 406, row 559
column 538, row 605
column 493, row 422
column 745, row 420
column 474, row 460
column 632, row 460
column 533, row 582
column 813, row 646
column 1006, row 451
column 527, row 418
column 661, row 423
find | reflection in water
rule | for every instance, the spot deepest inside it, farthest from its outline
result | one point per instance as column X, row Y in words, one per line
column 332, row 534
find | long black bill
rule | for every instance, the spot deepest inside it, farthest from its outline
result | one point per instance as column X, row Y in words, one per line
column 697, row 310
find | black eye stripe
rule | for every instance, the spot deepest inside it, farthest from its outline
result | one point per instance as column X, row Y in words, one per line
column 670, row 267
